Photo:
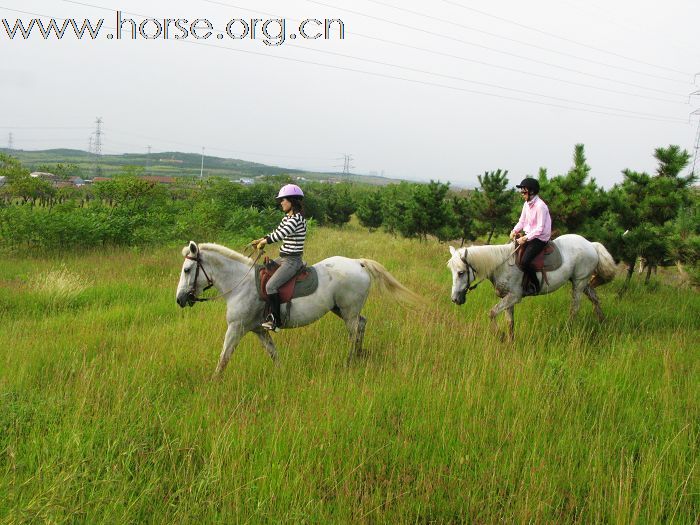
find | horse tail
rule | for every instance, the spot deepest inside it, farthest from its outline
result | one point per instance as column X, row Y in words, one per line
column 388, row 283
column 606, row 269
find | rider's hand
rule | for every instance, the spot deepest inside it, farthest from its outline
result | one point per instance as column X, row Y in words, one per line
column 522, row 240
column 513, row 235
column 261, row 243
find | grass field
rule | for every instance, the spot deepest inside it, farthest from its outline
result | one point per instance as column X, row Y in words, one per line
column 107, row 414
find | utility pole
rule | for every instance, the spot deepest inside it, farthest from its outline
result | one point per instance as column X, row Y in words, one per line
column 201, row 169
column 697, row 136
column 148, row 158
column 98, row 145
column 98, row 137
column 10, row 142
column 697, row 145
column 347, row 164
column 90, row 144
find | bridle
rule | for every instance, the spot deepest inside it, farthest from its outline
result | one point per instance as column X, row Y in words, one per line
column 470, row 271
column 471, row 287
column 192, row 292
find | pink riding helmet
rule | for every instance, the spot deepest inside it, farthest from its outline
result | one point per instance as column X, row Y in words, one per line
column 290, row 190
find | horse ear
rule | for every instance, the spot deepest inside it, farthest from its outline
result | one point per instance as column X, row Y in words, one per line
column 193, row 248
column 452, row 250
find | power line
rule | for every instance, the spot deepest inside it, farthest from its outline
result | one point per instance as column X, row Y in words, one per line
column 481, row 46
column 466, row 42
column 434, row 84
column 474, row 61
column 521, row 42
column 607, row 14
column 515, row 70
column 485, row 84
column 397, row 66
column 45, row 127
column 559, row 37
column 445, row 86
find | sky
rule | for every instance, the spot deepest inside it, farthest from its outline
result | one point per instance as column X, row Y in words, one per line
column 443, row 90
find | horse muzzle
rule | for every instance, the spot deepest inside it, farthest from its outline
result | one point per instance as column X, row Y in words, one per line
column 186, row 299
column 459, row 298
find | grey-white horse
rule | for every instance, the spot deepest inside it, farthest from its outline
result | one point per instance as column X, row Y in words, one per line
column 343, row 288
column 585, row 264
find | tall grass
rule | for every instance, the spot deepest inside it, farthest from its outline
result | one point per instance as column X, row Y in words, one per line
column 107, row 414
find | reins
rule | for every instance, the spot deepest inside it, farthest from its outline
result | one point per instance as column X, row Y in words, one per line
column 210, row 282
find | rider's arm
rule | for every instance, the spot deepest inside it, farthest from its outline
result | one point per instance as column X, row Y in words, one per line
column 285, row 229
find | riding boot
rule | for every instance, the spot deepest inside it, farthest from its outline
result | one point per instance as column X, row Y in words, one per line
column 531, row 284
column 273, row 321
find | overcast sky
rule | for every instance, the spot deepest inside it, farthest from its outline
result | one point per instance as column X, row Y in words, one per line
column 443, row 90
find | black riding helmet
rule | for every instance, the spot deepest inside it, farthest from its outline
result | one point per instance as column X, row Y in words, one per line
column 530, row 184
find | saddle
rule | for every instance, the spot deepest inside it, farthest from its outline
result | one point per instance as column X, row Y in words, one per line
column 548, row 260
column 304, row 283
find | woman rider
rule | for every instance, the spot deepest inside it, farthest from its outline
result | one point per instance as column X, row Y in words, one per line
column 292, row 230
column 537, row 223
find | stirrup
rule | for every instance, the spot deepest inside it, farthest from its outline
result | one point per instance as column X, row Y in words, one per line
column 530, row 290
column 270, row 324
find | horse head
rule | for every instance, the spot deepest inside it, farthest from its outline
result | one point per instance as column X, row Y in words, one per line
column 191, row 284
column 463, row 275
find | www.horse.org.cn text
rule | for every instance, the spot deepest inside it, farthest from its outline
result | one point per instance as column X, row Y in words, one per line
column 270, row 31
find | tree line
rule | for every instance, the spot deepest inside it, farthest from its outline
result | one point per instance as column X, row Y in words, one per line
column 654, row 216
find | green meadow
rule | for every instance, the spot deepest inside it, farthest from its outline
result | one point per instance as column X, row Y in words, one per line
column 108, row 413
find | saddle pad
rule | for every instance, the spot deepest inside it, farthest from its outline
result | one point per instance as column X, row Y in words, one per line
column 548, row 259
column 301, row 285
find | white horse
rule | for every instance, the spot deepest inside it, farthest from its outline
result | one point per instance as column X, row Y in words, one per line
column 585, row 264
column 343, row 287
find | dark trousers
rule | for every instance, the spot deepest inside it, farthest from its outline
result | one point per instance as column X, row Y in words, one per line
column 532, row 250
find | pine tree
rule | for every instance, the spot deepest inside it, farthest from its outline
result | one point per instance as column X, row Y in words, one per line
column 431, row 212
column 646, row 206
column 573, row 199
column 369, row 210
column 492, row 202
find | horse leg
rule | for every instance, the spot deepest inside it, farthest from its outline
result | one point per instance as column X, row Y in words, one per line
column 509, row 301
column 359, row 334
column 268, row 344
column 590, row 293
column 577, row 288
column 355, row 325
column 234, row 333
column 510, row 314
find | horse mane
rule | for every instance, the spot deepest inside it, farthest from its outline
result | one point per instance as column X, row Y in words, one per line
column 226, row 252
column 485, row 259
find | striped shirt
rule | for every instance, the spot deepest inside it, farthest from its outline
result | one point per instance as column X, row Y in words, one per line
column 292, row 230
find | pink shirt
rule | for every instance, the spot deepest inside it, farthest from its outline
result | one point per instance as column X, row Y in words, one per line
column 535, row 220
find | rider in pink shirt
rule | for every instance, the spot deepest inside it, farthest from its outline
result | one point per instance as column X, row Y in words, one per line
column 537, row 224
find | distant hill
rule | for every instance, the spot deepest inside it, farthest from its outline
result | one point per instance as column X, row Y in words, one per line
column 175, row 163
